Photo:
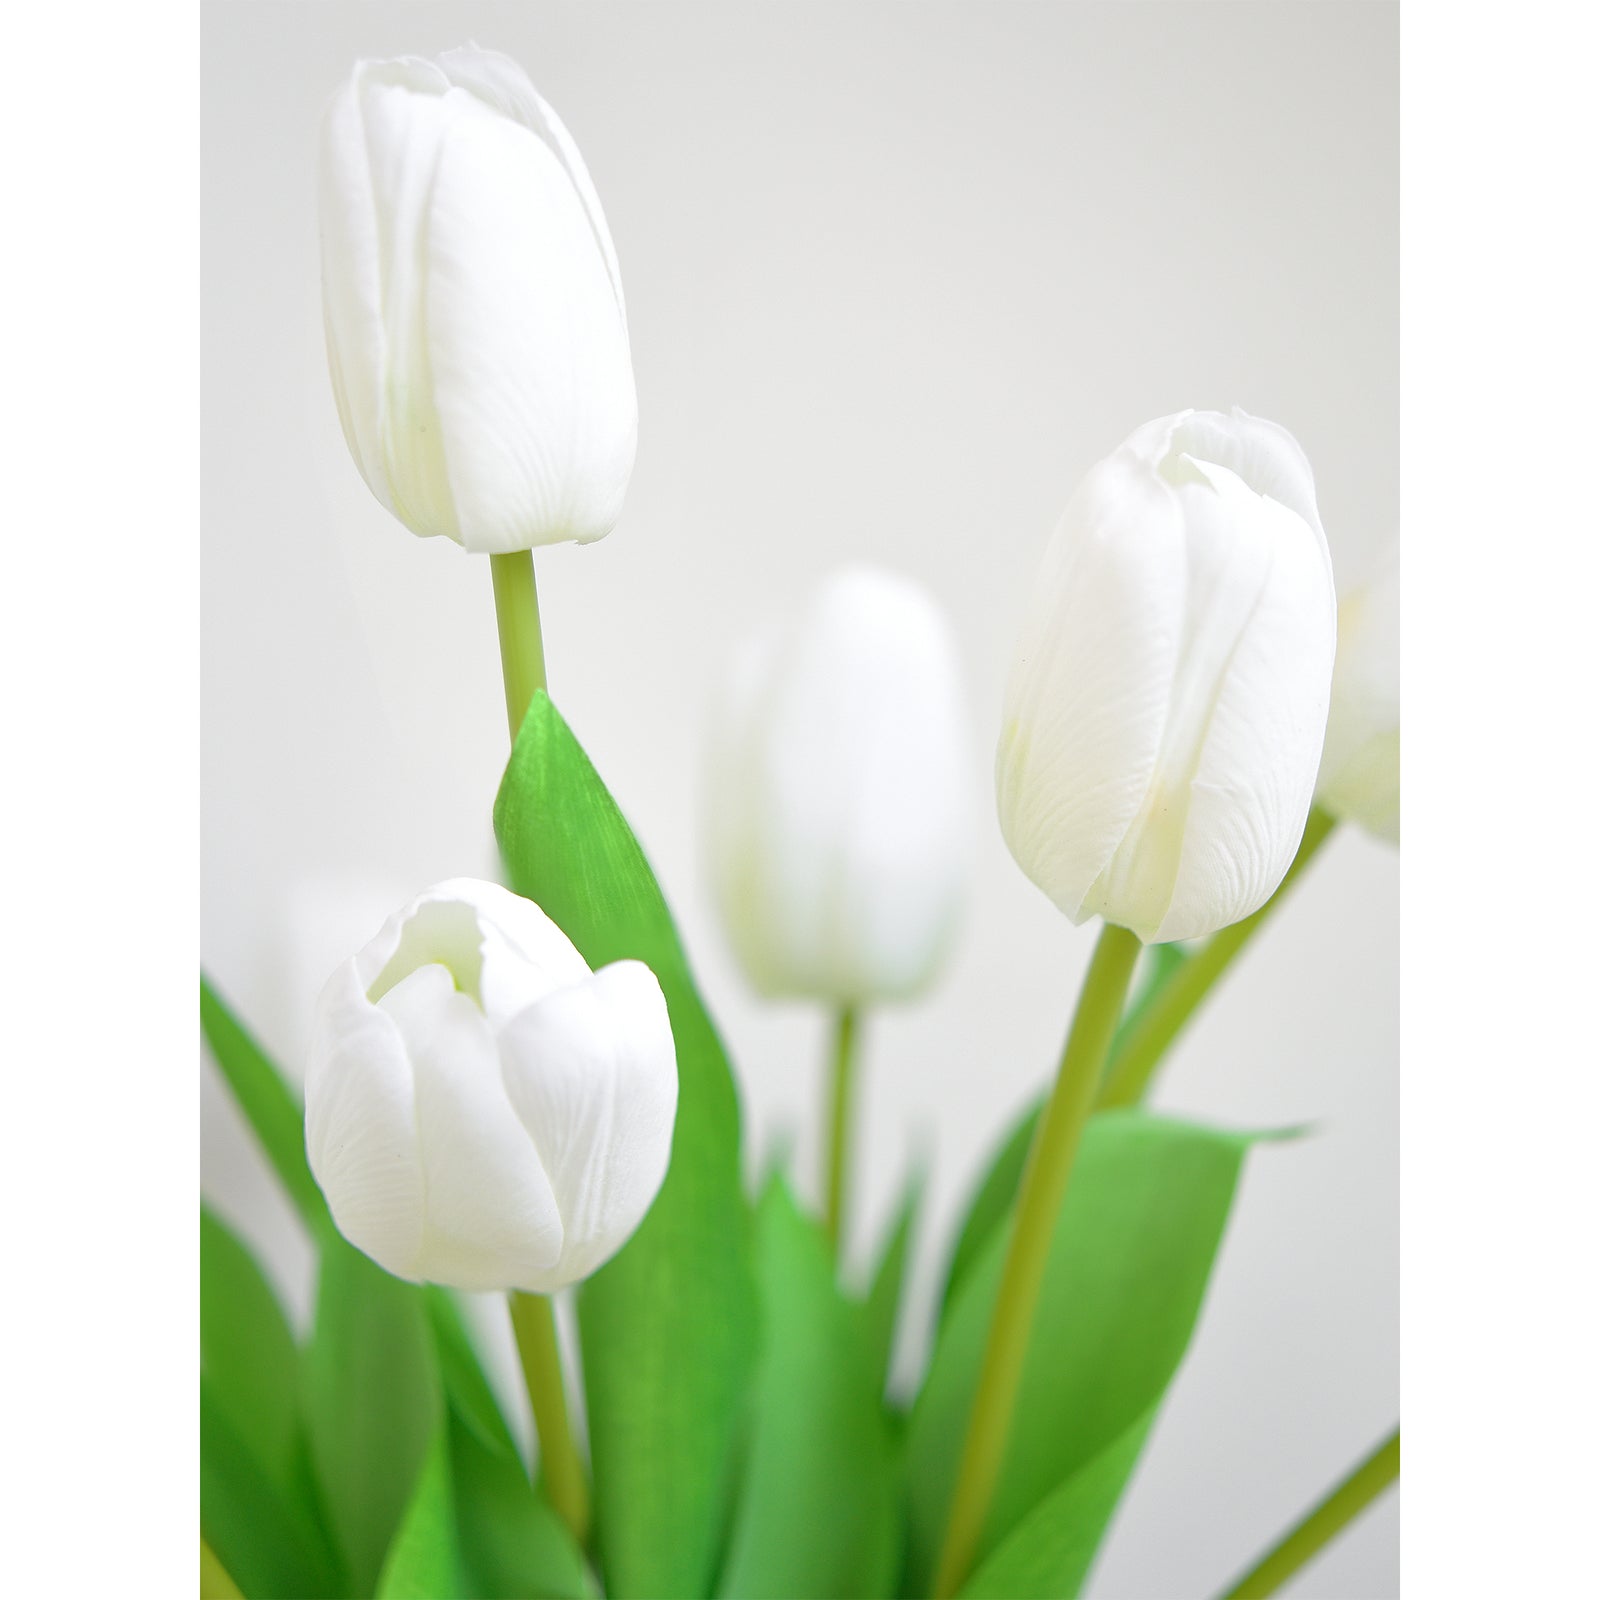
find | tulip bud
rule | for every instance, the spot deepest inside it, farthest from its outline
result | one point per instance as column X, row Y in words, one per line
column 1360, row 777
column 476, row 332
column 839, row 803
column 482, row 1110
column 1164, row 713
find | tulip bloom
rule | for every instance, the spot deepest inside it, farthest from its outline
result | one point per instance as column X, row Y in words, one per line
column 839, row 801
column 1165, row 709
column 476, row 331
column 1360, row 777
column 482, row 1110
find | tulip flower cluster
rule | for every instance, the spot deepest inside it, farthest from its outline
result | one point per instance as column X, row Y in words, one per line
column 1187, row 715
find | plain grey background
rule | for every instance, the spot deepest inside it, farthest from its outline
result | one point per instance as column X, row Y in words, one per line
column 896, row 277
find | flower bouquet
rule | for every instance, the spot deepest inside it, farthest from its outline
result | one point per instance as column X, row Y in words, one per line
column 517, row 1088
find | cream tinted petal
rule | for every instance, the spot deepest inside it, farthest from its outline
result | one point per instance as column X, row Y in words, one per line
column 592, row 1072
column 491, row 1220
column 531, row 376
column 1090, row 681
column 524, row 954
column 361, row 1134
column 1267, row 458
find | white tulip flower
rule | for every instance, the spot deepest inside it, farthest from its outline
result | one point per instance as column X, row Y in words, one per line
column 482, row 1110
column 1164, row 714
column 476, row 330
column 1360, row 777
column 839, row 804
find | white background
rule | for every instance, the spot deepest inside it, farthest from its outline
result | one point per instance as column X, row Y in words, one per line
column 895, row 279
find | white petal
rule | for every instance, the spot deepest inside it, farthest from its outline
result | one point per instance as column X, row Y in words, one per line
column 840, row 814
column 1091, row 680
column 1249, row 788
column 361, row 1128
column 498, row 81
column 592, row 1072
column 351, row 279
column 528, row 348
column 499, row 947
column 491, row 1220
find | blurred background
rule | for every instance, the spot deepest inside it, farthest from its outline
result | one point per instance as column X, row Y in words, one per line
column 896, row 277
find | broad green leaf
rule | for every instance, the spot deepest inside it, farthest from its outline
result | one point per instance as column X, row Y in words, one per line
column 668, row 1326
column 466, row 1387
column 270, row 1106
column 422, row 1562
column 1051, row 1550
column 268, row 1543
column 1132, row 1252
column 247, row 1352
column 998, row 1191
column 991, row 1205
column 373, row 1402
column 819, row 1509
column 513, row 1544
column 882, row 1308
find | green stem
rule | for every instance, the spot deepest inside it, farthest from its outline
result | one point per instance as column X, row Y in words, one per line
column 533, row 1321
column 516, row 610
column 841, row 1101
column 1044, row 1184
column 1321, row 1525
column 1147, row 1040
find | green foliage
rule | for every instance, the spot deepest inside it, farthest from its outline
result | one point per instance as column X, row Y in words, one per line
column 818, row 1511
column 374, row 1405
column 270, row 1106
column 421, row 1563
column 668, row 1327
column 512, row 1544
column 267, row 1540
column 247, row 1353
column 883, row 1307
column 997, row 1192
column 1128, row 1266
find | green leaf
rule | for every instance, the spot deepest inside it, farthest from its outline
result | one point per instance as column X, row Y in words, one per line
column 1132, row 1252
column 267, row 1542
column 991, row 1205
column 467, row 1389
column 882, row 1308
column 374, row 1403
column 514, row 1545
column 668, row 1326
column 1052, row 1548
column 247, row 1352
column 819, row 1512
column 270, row 1106
column 998, row 1191
column 422, row 1563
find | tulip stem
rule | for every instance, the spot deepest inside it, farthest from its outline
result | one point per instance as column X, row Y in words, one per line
column 1148, row 1037
column 1044, row 1186
column 560, row 1468
column 516, row 610
column 1322, row 1523
column 841, row 1103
